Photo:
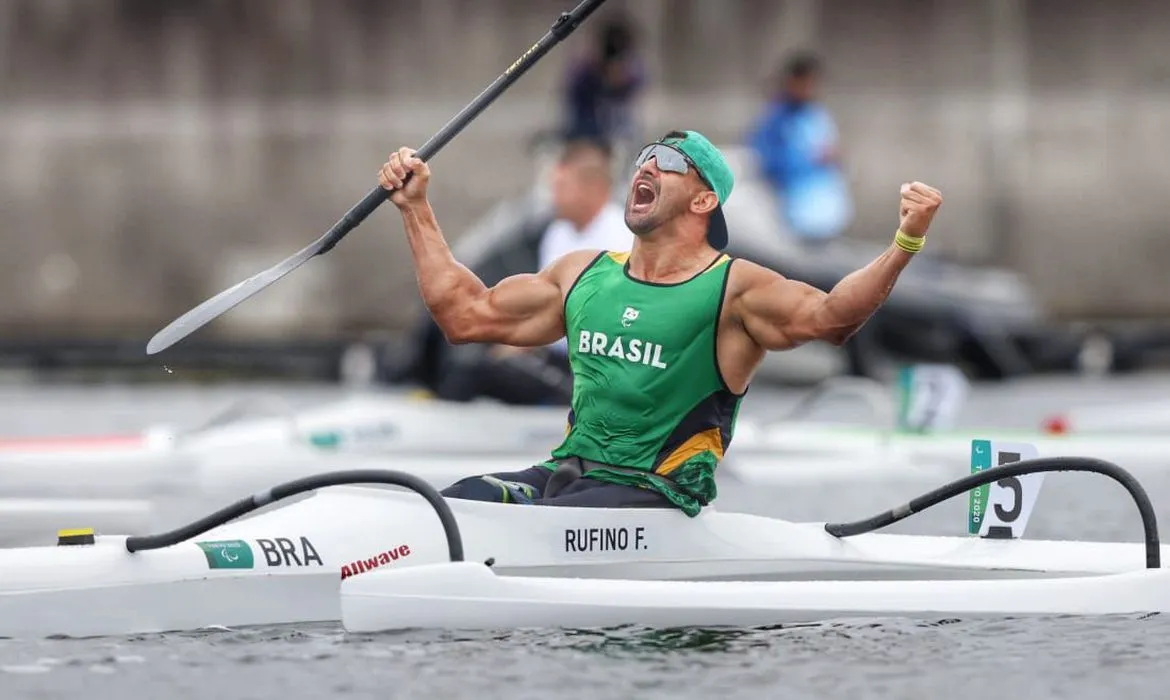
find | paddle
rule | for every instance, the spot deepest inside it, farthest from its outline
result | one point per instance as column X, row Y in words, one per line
column 226, row 300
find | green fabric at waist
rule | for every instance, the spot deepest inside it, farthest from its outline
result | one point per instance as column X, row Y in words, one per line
column 689, row 487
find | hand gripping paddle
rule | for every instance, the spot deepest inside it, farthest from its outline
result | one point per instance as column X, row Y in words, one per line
column 224, row 301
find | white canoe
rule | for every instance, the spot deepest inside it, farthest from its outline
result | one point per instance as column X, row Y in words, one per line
column 375, row 423
column 319, row 558
column 264, row 444
column 165, row 472
column 180, row 472
column 1125, row 418
column 256, row 443
column 871, row 453
column 249, row 445
column 930, row 396
column 136, row 494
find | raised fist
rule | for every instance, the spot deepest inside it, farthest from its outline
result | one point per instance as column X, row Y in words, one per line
column 919, row 203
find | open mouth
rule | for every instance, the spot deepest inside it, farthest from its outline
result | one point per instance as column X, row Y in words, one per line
column 644, row 195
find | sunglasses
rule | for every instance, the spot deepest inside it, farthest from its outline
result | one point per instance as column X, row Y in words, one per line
column 669, row 159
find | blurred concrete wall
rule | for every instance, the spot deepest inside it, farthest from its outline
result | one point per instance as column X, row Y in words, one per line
column 153, row 153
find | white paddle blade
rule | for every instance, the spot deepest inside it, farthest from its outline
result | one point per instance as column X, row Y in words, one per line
column 223, row 302
column 1002, row 508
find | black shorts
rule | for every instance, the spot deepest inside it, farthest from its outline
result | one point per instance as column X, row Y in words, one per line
column 582, row 492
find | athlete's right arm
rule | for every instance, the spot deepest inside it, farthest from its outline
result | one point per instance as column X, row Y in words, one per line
column 522, row 310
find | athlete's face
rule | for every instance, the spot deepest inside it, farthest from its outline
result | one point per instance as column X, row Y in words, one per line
column 657, row 196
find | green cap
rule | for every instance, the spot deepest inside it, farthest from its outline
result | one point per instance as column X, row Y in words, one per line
column 714, row 169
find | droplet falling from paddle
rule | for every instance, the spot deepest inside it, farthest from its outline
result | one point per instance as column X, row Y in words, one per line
column 168, row 369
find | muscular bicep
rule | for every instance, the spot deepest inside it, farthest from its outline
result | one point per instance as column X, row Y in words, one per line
column 524, row 310
column 779, row 313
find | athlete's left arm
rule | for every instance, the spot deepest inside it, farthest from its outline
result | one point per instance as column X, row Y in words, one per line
column 779, row 313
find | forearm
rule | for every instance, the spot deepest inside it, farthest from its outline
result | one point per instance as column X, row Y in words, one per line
column 444, row 283
column 861, row 293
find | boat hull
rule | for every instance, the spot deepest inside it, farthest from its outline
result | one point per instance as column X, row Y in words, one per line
column 470, row 596
column 288, row 563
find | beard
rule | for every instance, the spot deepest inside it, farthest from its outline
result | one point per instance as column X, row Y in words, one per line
column 642, row 223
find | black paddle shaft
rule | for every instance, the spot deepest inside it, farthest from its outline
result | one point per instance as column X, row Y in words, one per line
column 563, row 27
column 228, row 299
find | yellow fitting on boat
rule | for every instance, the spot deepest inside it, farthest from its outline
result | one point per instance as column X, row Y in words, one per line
column 82, row 535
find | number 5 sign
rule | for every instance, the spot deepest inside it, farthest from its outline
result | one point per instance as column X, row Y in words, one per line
column 1001, row 509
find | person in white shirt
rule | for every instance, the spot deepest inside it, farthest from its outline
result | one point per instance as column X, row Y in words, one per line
column 585, row 215
column 588, row 217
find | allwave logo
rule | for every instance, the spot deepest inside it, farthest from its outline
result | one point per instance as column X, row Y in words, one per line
column 381, row 559
column 633, row 350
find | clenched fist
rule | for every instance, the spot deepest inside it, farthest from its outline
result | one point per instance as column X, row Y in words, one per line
column 394, row 173
column 919, row 203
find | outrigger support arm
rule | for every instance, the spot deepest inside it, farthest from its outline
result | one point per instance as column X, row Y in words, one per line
column 1003, row 471
column 310, row 483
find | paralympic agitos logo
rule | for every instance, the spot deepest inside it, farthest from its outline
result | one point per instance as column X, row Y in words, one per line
column 361, row 566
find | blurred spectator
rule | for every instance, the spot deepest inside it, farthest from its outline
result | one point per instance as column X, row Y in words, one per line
column 602, row 87
column 585, row 216
column 796, row 143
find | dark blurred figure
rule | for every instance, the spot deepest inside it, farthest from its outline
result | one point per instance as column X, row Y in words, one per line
column 602, row 87
column 584, row 216
column 796, row 143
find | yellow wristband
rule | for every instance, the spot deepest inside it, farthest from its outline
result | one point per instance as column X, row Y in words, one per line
column 910, row 244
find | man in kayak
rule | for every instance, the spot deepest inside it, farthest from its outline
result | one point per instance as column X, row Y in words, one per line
column 663, row 340
column 582, row 215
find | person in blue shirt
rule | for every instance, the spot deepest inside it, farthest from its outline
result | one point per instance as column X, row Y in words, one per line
column 796, row 143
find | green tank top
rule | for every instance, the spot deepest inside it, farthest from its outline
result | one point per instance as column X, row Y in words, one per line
column 648, row 398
